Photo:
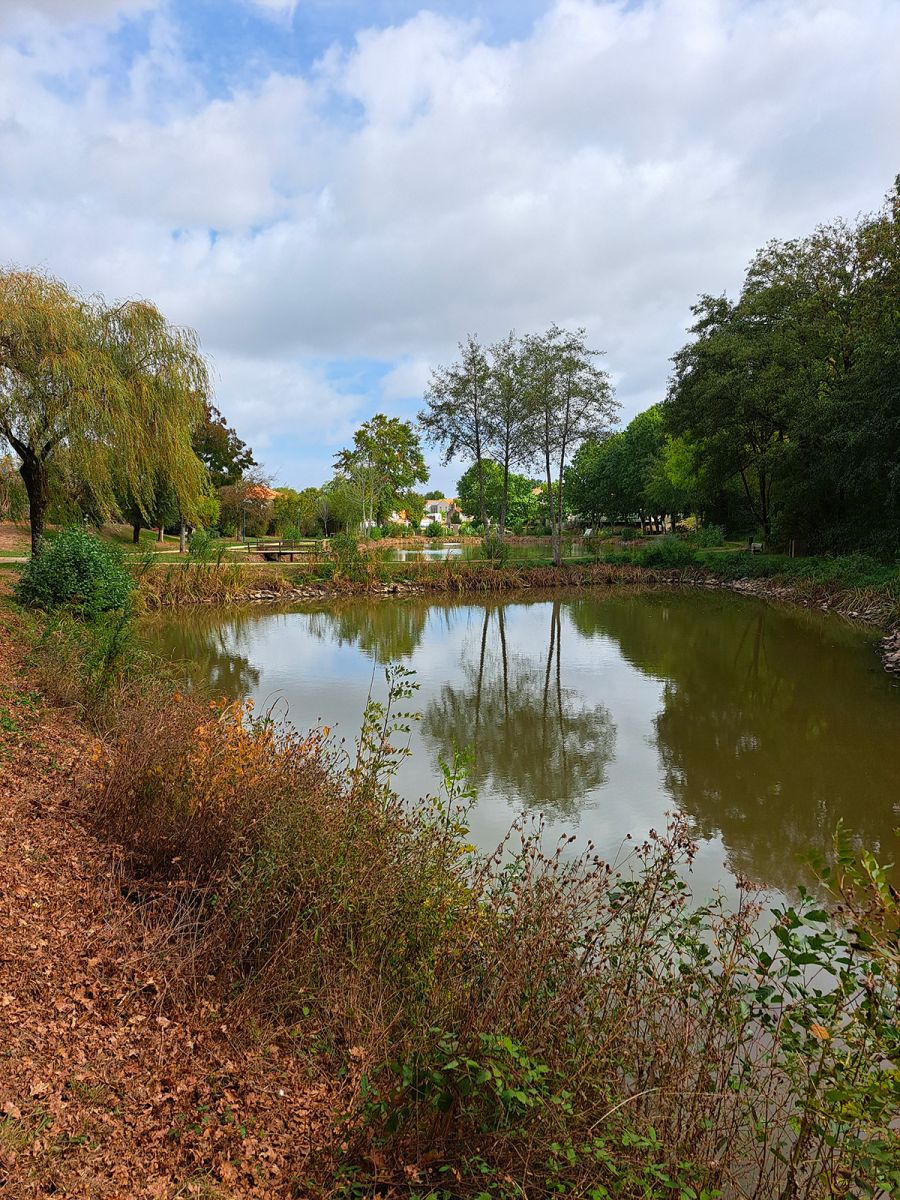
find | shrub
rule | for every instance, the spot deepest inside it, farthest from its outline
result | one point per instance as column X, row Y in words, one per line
column 203, row 544
column 349, row 560
column 496, row 549
column 709, row 535
column 374, row 534
column 579, row 1029
column 434, row 530
column 665, row 552
column 75, row 569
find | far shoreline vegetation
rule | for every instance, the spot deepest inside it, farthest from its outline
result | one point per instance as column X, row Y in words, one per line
column 493, row 1027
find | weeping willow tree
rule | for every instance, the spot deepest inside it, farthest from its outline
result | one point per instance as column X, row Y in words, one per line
column 115, row 389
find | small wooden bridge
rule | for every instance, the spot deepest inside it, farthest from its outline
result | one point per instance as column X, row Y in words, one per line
column 276, row 550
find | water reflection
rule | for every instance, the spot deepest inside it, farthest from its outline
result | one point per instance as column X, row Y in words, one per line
column 534, row 740
column 387, row 632
column 765, row 725
column 210, row 647
column 766, row 738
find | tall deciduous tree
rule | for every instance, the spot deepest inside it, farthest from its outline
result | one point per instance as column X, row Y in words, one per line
column 218, row 446
column 794, row 389
column 455, row 416
column 384, row 461
column 567, row 399
column 116, row 387
column 506, row 413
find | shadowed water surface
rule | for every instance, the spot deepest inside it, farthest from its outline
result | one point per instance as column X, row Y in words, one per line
column 764, row 724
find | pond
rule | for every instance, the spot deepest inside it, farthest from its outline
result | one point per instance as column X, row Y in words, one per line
column 604, row 711
column 438, row 553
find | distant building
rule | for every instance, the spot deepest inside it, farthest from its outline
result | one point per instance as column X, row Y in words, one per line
column 443, row 512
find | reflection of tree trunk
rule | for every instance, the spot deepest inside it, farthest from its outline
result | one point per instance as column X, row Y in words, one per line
column 484, row 629
column 501, row 620
column 544, row 741
column 557, row 620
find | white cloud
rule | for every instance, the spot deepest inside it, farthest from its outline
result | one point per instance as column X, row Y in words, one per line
column 279, row 9
column 27, row 14
column 421, row 183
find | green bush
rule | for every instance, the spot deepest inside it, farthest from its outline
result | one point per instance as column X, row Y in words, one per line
column 434, row 530
column 349, row 561
column 76, row 570
column 374, row 534
column 495, row 549
column 666, row 552
column 203, row 544
column 709, row 535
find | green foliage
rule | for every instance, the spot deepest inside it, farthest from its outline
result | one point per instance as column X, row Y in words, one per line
column 709, row 535
column 75, row 570
column 204, row 544
column 114, row 389
column 384, row 462
column 665, row 552
column 13, row 497
column 787, row 396
column 845, row 571
column 349, row 560
column 219, row 448
column 434, row 530
column 496, row 550
column 522, row 507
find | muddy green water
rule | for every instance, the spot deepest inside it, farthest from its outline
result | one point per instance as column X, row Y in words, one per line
column 764, row 724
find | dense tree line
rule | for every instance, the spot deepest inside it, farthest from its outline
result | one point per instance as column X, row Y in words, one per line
column 782, row 416
column 781, row 420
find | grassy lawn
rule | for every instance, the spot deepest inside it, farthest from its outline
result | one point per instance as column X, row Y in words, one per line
column 121, row 535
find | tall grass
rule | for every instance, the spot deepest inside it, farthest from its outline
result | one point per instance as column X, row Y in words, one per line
column 525, row 1024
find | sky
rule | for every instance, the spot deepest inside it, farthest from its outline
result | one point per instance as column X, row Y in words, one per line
column 334, row 193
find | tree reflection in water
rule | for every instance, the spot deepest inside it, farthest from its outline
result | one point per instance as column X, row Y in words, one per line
column 386, row 631
column 766, row 737
column 538, row 743
column 765, row 724
column 209, row 649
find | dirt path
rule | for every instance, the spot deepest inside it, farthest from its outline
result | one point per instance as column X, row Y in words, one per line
column 109, row 1086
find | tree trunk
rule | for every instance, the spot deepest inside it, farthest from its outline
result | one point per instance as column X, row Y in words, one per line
column 551, row 511
column 37, row 486
column 136, row 533
column 481, row 505
column 504, row 499
column 182, row 538
column 159, row 533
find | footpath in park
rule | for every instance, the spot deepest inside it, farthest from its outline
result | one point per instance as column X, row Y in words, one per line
column 111, row 1086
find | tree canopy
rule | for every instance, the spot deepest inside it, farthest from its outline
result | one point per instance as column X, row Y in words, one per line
column 792, row 391
column 115, row 388
column 384, row 462
column 522, row 506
